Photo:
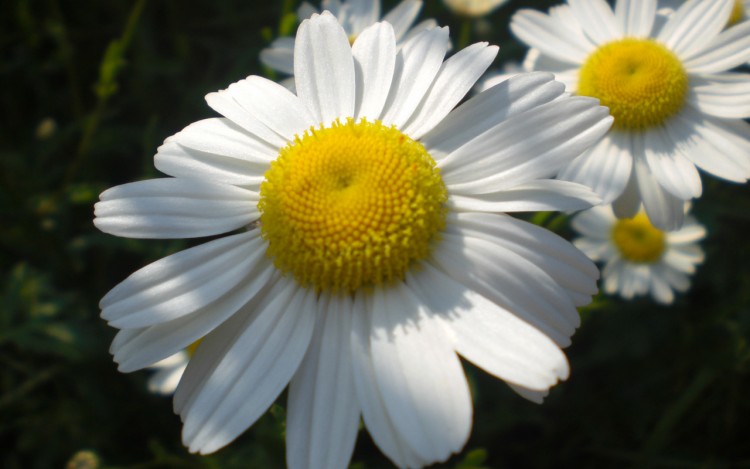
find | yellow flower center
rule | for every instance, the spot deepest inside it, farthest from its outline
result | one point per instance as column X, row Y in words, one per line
column 738, row 13
column 642, row 82
column 351, row 205
column 638, row 240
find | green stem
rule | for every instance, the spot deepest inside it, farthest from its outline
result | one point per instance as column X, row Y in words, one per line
column 106, row 81
column 464, row 36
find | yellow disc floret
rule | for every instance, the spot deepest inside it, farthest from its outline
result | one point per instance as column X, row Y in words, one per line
column 351, row 205
column 642, row 82
column 638, row 240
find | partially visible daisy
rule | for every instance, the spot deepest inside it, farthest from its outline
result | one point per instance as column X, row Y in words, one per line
column 365, row 247
column 639, row 258
column 473, row 7
column 354, row 16
column 676, row 107
column 740, row 11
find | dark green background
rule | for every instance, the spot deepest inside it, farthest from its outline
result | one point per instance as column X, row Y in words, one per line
column 651, row 386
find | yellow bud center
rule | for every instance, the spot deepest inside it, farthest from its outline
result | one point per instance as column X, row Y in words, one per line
column 642, row 82
column 638, row 240
column 351, row 205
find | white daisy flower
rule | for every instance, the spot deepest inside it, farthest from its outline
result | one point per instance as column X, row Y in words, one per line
column 639, row 258
column 740, row 11
column 370, row 250
column 473, row 7
column 354, row 16
column 674, row 103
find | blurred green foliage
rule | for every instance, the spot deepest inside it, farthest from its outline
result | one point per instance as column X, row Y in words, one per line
column 90, row 89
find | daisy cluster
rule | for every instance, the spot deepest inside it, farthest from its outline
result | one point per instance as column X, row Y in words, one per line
column 360, row 215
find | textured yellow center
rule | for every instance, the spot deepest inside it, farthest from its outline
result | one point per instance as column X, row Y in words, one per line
column 641, row 81
column 637, row 240
column 351, row 205
column 738, row 13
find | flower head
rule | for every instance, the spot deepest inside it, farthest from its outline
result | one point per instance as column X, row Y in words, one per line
column 370, row 250
column 473, row 7
column 639, row 258
column 666, row 81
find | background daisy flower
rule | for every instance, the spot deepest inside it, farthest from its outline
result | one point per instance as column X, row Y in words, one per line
column 354, row 16
column 639, row 258
column 473, row 7
column 676, row 107
column 370, row 253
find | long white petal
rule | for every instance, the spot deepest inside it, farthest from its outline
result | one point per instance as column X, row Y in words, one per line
column 488, row 335
column 323, row 412
column 636, row 17
column 605, row 167
column 174, row 208
column 535, row 145
column 551, row 36
column 456, row 77
column 324, row 69
column 489, row 108
column 179, row 284
column 374, row 54
column 134, row 349
column 665, row 211
column 597, row 19
column 402, row 16
column 374, row 413
column 726, row 95
column 670, row 168
column 243, row 366
column 419, row 375
column 417, row 63
column 729, row 49
column 539, row 195
column 694, row 23
column 279, row 55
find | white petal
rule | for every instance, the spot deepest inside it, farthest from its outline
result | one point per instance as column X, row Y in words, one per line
column 374, row 54
column 174, row 208
column 362, row 13
column 694, row 23
column 636, row 17
column 555, row 256
column 565, row 72
column 279, row 55
column 551, row 36
column 725, row 95
column 718, row 146
column 224, row 103
column 134, row 349
column 665, row 211
column 532, row 146
column 242, row 366
column 374, row 413
column 487, row 109
column 322, row 411
column 594, row 223
column 510, row 281
column 629, row 202
column 489, row 336
column 419, row 375
column 181, row 162
column 417, row 63
column 690, row 233
column 305, row 11
column 537, row 397
column 324, row 69
column 540, row 195
column 456, row 77
column 672, row 171
column 220, row 136
column 165, row 381
column 605, row 167
column 182, row 283
column 274, row 105
column 402, row 16
column 597, row 19
column 729, row 49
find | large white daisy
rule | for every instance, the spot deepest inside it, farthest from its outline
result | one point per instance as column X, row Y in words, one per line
column 639, row 258
column 674, row 103
column 370, row 248
column 354, row 16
